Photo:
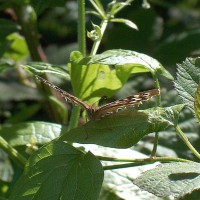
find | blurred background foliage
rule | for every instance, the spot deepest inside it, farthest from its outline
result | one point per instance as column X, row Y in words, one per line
column 169, row 31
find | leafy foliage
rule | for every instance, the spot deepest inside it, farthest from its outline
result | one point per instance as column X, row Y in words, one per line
column 124, row 129
column 45, row 151
column 178, row 179
column 77, row 175
column 188, row 77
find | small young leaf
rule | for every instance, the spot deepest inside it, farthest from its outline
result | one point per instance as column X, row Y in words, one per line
column 172, row 180
column 59, row 171
column 187, row 80
column 124, row 129
column 126, row 22
column 197, row 103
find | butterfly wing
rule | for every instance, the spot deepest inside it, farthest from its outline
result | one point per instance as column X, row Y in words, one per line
column 121, row 104
column 68, row 97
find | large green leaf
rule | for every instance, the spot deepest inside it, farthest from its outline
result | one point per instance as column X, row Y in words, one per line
column 125, row 128
column 59, row 171
column 95, row 80
column 173, row 180
column 31, row 132
column 187, row 80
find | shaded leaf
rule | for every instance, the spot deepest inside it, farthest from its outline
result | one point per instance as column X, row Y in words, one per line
column 4, row 46
column 7, row 27
column 36, row 132
column 40, row 5
column 59, row 171
column 173, row 180
column 14, row 91
column 187, row 80
column 124, row 129
column 197, row 103
column 39, row 68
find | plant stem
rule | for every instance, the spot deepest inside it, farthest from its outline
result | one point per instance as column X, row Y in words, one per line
column 158, row 101
column 81, row 27
column 96, row 44
column 82, row 48
column 186, row 141
column 13, row 153
column 138, row 162
column 28, row 21
column 128, row 2
column 73, row 123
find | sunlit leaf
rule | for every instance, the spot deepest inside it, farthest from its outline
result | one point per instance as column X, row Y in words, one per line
column 31, row 132
column 59, row 171
column 124, row 129
column 173, row 180
column 187, row 80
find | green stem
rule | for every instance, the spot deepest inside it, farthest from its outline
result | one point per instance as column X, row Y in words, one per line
column 158, row 101
column 81, row 27
column 13, row 153
column 143, row 160
column 97, row 42
column 127, row 3
column 74, row 117
column 82, row 48
column 186, row 141
column 28, row 21
column 138, row 162
column 98, row 8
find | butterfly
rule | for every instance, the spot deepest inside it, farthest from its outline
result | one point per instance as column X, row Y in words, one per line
column 95, row 112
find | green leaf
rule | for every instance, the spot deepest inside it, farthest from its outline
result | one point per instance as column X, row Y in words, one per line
column 4, row 46
column 126, row 22
column 18, row 49
column 59, row 171
column 7, row 27
column 124, row 129
column 187, row 80
column 36, row 132
column 94, row 81
column 40, row 68
column 40, row 5
column 197, row 103
column 137, row 62
column 25, row 113
column 173, row 180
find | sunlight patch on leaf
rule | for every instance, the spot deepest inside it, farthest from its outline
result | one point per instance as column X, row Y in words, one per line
column 173, row 180
column 59, row 171
column 187, row 80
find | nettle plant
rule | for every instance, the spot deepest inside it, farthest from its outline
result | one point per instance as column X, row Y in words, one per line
column 61, row 170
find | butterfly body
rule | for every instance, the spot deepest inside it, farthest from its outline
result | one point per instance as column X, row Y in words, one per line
column 95, row 112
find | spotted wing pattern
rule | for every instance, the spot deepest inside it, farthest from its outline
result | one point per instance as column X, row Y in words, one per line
column 122, row 104
column 107, row 109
